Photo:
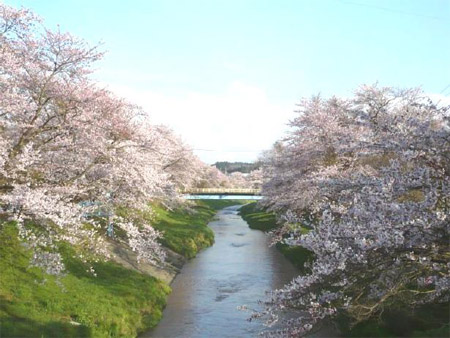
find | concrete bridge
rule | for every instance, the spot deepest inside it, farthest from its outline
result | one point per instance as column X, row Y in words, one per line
column 221, row 192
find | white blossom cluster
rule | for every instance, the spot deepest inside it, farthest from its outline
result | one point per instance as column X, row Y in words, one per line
column 370, row 178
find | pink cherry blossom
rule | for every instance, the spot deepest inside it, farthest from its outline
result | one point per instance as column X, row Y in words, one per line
column 370, row 177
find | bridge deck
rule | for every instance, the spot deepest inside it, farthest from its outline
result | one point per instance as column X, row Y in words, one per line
column 221, row 191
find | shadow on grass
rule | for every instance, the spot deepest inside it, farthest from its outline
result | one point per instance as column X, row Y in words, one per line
column 12, row 325
column 112, row 277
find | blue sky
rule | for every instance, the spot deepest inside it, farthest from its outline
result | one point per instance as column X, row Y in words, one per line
column 226, row 75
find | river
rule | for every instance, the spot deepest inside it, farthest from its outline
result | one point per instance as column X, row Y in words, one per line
column 237, row 270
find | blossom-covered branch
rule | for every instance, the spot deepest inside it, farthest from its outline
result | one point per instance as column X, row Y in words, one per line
column 369, row 177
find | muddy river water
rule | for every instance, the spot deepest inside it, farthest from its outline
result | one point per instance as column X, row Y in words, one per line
column 235, row 271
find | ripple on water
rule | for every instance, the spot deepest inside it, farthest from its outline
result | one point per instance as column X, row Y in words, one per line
column 238, row 245
column 220, row 298
column 226, row 289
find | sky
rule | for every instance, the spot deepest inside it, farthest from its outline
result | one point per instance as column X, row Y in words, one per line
column 226, row 75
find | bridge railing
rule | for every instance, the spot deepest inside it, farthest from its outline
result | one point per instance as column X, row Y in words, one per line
column 221, row 191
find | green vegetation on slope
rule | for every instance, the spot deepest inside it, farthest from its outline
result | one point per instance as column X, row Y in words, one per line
column 118, row 302
column 259, row 219
column 186, row 232
column 219, row 204
column 297, row 255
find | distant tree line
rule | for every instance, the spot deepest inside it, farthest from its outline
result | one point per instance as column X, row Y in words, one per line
column 242, row 167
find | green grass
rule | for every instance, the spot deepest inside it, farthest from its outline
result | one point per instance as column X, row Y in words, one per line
column 297, row 255
column 186, row 232
column 118, row 302
column 219, row 204
column 259, row 219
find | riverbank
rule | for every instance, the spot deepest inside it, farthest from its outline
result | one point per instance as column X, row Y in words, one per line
column 121, row 300
column 259, row 219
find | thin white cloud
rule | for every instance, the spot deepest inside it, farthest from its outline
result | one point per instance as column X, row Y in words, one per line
column 231, row 126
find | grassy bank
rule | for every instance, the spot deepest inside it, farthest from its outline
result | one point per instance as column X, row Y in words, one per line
column 259, row 219
column 184, row 229
column 186, row 232
column 117, row 302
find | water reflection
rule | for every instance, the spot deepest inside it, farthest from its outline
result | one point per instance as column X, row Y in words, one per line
column 236, row 271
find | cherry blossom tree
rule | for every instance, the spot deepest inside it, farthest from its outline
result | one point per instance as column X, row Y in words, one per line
column 211, row 177
column 238, row 180
column 69, row 148
column 255, row 179
column 370, row 178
